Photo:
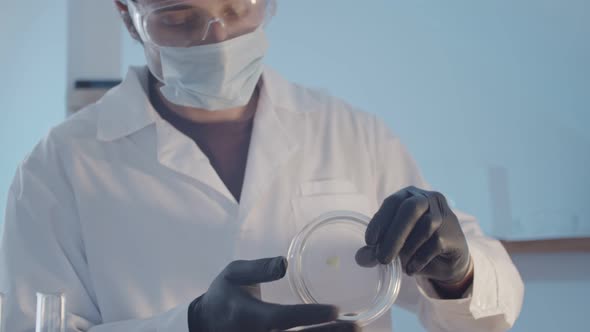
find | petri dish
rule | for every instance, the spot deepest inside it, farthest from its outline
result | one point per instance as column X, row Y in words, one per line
column 323, row 268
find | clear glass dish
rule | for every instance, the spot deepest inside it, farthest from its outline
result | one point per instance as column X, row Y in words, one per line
column 323, row 269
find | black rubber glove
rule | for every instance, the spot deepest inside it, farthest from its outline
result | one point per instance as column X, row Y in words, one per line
column 231, row 303
column 420, row 227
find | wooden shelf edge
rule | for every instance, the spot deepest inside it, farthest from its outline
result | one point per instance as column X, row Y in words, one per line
column 548, row 245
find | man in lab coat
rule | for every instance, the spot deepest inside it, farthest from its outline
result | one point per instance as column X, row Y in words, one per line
column 156, row 208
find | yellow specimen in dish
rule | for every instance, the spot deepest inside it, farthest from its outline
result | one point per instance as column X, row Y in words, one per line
column 333, row 261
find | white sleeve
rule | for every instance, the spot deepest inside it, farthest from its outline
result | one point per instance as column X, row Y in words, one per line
column 42, row 250
column 495, row 299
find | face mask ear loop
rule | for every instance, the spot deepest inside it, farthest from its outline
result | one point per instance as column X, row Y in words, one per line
column 271, row 11
column 272, row 8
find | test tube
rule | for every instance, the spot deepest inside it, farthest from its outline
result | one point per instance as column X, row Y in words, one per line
column 51, row 312
column 2, row 312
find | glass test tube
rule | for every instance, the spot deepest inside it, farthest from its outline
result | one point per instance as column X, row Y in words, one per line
column 2, row 298
column 51, row 312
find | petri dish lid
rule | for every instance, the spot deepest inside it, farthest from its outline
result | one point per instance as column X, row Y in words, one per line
column 323, row 269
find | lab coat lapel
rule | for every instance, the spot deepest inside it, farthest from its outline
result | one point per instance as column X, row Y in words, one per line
column 126, row 109
column 271, row 146
column 181, row 154
column 272, row 143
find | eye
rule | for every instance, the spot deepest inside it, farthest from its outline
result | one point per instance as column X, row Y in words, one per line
column 235, row 11
column 230, row 14
column 174, row 17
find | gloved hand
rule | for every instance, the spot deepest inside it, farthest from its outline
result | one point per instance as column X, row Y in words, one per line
column 420, row 227
column 231, row 305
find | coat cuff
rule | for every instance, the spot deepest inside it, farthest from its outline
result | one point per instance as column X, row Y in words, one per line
column 480, row 300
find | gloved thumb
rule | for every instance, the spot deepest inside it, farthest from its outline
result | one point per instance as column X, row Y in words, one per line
column 255, row 272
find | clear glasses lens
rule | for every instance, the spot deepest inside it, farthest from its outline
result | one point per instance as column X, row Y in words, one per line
column 198, row 22
column 2, row 296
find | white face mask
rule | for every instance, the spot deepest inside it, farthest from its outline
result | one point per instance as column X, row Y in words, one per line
column 216, row 76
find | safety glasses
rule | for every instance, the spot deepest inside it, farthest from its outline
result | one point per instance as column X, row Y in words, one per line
column 187, row 23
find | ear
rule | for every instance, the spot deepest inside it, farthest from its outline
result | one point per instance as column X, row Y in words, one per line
column 121, row 5
column 124, row 12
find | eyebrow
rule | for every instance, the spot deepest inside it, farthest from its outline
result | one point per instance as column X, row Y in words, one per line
column 184, row 5
column 152, row 2
column 175, row 7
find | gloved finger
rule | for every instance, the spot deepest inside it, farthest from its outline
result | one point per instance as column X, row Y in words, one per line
column 426, row 226
column 424, row 255
column 400, row 228
column 256, row 271
column 334, row 327
column 284, row 317
column 366, row 257
column 383, row 217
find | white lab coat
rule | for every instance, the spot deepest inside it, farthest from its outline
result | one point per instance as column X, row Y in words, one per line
column 124, row 214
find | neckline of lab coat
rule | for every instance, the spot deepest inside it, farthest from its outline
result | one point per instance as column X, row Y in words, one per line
column 126, row 109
